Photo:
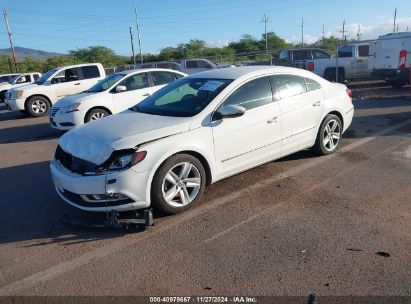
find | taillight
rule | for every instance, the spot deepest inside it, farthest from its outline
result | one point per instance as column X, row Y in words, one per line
column 349, row 93
column 310, row 66
column 403, row 58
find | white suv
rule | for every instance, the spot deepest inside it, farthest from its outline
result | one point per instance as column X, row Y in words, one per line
column 17, row 81
column 36, row 99
column 113, row 94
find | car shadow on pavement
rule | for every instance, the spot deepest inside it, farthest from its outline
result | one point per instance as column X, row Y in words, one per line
column 28, row 133
column 7, row 115
column 32, row 212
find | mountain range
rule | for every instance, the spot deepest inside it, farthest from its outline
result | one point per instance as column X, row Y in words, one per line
column 22, row 53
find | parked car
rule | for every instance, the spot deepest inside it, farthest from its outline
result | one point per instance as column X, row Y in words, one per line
column 195, row 131
column 114, row 94
column 159, row 65
column 350, row 63
column 7, row 77
column 17, row 81
column 390, row 58
column 36, row 99
column 189, row 66
column 298, row 57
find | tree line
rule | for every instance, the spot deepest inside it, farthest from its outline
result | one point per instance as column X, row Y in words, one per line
column 195, row 48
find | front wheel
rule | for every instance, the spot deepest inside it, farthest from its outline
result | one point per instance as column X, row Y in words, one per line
column 96, row 114
column 178, row 184
column 37, row 106
column 329, row 135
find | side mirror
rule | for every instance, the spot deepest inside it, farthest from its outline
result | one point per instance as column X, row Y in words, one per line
column 230, row 111
column 121, row 88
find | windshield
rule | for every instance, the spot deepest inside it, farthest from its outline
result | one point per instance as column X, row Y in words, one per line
column 185, row 97
column 14, row 78
column 105, row 83
column 45, row 76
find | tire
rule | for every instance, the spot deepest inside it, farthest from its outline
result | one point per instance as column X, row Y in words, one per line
column 3, row 96
column 326, row 142
column 96, row 114
column 171, row 180
column 396, row 84
column 329, row 75
column 37, row 106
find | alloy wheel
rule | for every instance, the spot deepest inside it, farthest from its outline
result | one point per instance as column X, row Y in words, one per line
column 39, row 106
column 181, row 185
column 332, row 135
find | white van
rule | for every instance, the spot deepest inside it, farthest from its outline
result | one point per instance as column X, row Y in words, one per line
column 390, row 58
column 36, row 99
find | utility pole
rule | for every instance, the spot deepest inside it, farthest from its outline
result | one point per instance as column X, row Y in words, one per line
column 138, row 34
column 132, row 44
column 344, row 32
column 265, row 20
column 302, row 32
column 323, row 33
column 359, row 32
column 11, row 41
column 395, row 19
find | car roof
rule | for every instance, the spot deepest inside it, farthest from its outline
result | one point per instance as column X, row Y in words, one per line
column 239, row 72
column 148, row 70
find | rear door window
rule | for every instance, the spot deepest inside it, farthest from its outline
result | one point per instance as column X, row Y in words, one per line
column 345, row 51
column 289, row 85
column 312, row 85
column 252, row 94
column 136, row 82
column 363, row 50
column 301, row 55
column 191, row 64
column 90, row 71
column 161, row 77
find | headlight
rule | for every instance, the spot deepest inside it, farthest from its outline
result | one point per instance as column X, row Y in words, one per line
column 121, row 160
column 71, row 108
column 17, row 94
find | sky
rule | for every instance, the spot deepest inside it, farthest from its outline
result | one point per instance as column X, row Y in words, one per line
column 60, row 26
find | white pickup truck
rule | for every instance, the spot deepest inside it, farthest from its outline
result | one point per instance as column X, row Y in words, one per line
column 351, row 62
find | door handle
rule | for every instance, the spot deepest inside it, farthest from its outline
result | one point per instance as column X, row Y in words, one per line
column 274, row 119
column 317, row 104
column 147, row 94
column 78, row 83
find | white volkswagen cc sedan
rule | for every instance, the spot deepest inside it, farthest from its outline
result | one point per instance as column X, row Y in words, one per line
column 196, row 131
column 111, row 95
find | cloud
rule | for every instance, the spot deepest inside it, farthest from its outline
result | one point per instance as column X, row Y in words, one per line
column 369, row 32
column 217, row 43
column 309, row 39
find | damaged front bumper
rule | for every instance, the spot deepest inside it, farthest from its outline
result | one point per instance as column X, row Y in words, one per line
column 119, row 191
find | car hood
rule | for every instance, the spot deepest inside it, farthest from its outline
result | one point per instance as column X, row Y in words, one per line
column 94, row 142
column 66, row 101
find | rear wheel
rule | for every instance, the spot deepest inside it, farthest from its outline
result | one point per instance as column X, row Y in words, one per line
column 37, row 106
column 329, row 135
column 178, row 184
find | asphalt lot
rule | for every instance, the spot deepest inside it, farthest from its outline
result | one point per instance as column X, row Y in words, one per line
column 303, row 224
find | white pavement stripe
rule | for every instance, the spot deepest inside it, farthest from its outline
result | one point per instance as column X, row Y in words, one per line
column 119, row 244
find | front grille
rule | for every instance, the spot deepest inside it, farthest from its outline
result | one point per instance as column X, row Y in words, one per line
column 78, row 200
column 74, row 164
column 54, row 111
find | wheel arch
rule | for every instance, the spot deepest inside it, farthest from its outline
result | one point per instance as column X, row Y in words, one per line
column 338, row 114
column 34, row 95
column 97, row 107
